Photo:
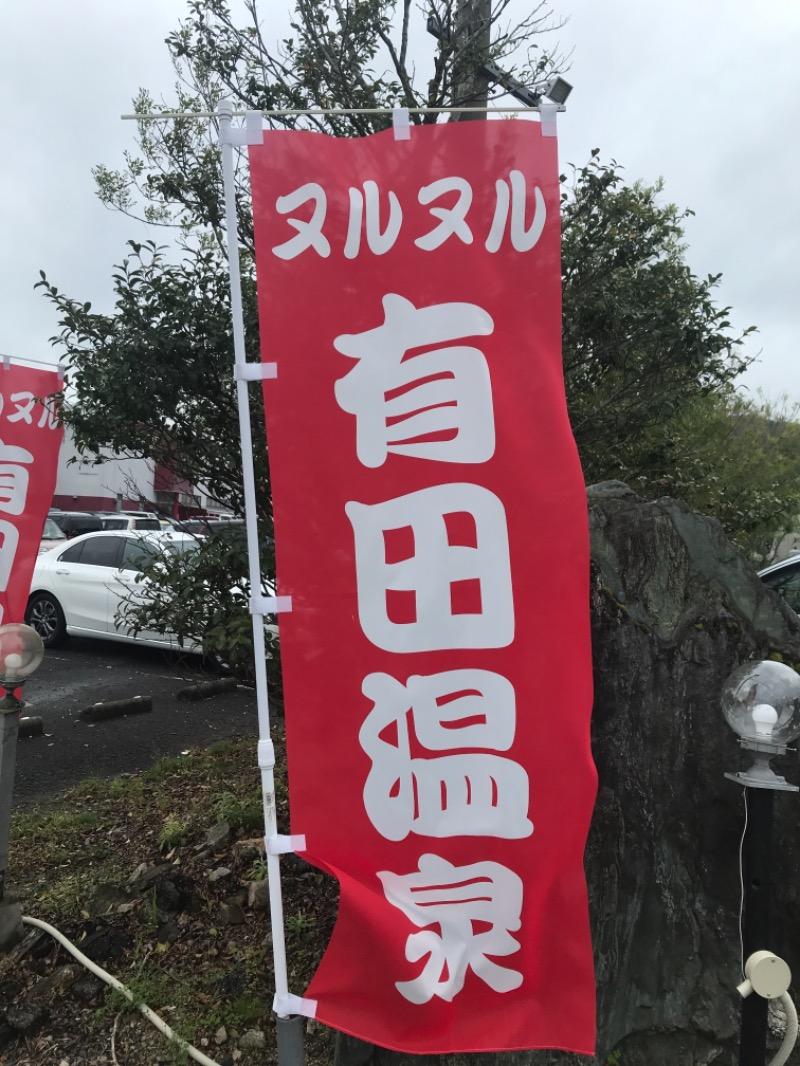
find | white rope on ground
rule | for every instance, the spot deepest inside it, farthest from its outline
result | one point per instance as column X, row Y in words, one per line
column 114, row 1058
column 151, row 1016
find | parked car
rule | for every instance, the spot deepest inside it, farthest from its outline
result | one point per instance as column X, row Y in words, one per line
column 53, row 536
column 132, row 520
column 77, row 589
column 73, row 523
column 206, row 527
column 784, row 578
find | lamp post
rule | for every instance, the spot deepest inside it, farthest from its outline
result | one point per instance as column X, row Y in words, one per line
column 21, row 651
column 761, row 702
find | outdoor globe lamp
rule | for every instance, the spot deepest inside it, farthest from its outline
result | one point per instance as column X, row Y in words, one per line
column 761, row 702
column 21, row 651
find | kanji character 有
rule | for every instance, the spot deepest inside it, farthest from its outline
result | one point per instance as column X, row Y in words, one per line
column 9, row 539
column 455, row 898
column 436, row 570
column 463, row 794
column 13, row 478
column 435, row 404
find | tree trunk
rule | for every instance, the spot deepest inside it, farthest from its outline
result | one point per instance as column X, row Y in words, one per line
column 473, row 38
column 675, row 608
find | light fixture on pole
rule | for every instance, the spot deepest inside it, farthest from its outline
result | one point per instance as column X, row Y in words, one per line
column 21, row 651
column 761, row 702
column 556, row 89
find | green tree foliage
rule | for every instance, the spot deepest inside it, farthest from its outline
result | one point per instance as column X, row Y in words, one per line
column 645, row 345
column 643, row 337
column 154, row 378
column 733, row 457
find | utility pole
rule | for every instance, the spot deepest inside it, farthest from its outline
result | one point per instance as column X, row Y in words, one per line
column 472, row 40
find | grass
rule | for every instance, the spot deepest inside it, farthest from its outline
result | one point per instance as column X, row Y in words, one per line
column 173, row 833
column 241, row 813
column 88, row 833
column 50, row 828
column 202, row 975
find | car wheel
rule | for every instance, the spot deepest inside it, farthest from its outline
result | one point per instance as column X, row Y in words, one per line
column 44, row 614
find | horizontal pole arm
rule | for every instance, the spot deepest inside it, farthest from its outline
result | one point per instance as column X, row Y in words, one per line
column 328, row 111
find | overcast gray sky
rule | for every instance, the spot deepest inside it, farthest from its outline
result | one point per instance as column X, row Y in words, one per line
column 702, row 93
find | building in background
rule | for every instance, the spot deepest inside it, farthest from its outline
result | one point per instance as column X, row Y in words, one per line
column 123, row 484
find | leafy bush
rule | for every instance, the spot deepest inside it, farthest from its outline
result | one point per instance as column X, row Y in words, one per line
column 203, row 598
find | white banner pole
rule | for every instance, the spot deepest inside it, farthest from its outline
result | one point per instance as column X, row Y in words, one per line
column 266, row 751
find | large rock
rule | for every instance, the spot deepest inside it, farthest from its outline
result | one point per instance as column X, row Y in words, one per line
column 675, row 608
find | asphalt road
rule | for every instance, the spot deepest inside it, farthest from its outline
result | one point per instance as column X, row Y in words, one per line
column 86, row 671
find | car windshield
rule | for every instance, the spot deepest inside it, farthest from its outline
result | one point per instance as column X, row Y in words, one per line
column 52, row 531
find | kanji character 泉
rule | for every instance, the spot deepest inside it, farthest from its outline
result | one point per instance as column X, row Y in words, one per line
column 433, row 574
column 456, row 899
column 435, row 404
column 464, row 793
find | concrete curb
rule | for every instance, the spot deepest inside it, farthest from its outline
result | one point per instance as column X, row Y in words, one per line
column 31, row 727
column 204, row 689
column 99, row 712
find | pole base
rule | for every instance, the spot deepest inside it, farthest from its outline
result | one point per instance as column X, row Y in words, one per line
column 290, row 1041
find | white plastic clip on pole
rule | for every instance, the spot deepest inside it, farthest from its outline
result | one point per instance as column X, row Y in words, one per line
column 289, row 1004
column 251, row 133
column 260, row 605
column 548, row 116
column 281, row 844
column 401, row 123
column 255, row 371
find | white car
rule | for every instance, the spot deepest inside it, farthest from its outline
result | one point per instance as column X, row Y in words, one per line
column 784, row 578
column 77, row 589
column 132, row 520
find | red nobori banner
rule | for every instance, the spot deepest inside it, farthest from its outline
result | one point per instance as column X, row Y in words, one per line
column 30, row 438
column 431, row 529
